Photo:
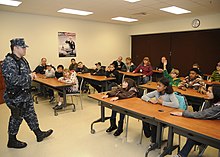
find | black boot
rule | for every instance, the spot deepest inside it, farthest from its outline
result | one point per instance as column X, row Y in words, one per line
column 113, row 125
column 120, row 128
column 42, row 134
column 14, row 143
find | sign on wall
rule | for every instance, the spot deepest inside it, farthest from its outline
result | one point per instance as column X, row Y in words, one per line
column 67, row 46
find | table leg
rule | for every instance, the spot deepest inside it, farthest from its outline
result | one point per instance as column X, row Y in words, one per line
column 101, row 119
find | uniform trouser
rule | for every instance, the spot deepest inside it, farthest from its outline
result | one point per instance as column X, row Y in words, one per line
column 28, row 114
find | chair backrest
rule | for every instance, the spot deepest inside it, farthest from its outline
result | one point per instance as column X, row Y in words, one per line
column 183, row 104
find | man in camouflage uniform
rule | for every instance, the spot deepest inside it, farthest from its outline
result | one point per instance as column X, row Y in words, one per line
column 18, row 77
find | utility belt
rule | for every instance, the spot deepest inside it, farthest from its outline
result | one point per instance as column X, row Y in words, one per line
column 16, row 92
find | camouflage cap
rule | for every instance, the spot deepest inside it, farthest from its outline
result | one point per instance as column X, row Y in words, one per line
column 18, row 42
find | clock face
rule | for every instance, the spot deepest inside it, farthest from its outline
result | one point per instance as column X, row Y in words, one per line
column 195, row 23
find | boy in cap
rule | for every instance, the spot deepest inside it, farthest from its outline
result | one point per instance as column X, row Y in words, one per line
column 18, row 77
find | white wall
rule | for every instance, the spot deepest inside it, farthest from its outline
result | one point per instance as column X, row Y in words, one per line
column 95, row 41
column 206, row 22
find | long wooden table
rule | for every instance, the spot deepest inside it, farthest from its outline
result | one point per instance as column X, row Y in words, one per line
column 102, row 79
column 54, row 84
column 204, row 131
column 134, row 107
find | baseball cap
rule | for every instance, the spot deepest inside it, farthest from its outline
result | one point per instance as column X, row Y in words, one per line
column 99, row 63
column 18, row 42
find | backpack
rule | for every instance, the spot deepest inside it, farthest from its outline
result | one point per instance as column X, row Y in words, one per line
column 183, row 104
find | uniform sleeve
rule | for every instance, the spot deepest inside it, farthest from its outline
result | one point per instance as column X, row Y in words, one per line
column 150, row 95
column 11, row 74
column 173, row 101
column 210, row 113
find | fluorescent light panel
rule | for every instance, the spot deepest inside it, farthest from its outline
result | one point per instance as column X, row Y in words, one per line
column 125, row 19
column 73, row 11
column 132, row 1
column 10, row 3
column 175, row 10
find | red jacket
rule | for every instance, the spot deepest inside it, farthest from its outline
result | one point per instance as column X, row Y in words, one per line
column 146, row 70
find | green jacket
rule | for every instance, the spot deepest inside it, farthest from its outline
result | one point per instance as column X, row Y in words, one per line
column 173, row 82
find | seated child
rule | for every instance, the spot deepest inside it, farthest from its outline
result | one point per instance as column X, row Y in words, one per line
column 162, row 95
column 196, row 65
column 173, row 76
column 112, row 72
column 194, row 81
column 127, row 90
column 216, row 74
column 50, row 73
column 146, row 69
column 59, row 72
column 69, row 78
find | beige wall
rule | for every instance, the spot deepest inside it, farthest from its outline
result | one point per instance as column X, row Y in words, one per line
column 94, row 41
column 206, row 22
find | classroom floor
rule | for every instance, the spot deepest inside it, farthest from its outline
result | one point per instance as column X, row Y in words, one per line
column 72, row 137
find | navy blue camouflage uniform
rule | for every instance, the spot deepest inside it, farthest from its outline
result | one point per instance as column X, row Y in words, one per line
column 16, row 72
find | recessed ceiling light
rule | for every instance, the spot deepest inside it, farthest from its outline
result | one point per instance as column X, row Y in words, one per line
column 73, row 11
column 132, row 1
column 125, row 19
column 10, row 3
column 175, row 10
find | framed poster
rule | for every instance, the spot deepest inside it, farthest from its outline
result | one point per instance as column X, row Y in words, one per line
column 67, row 46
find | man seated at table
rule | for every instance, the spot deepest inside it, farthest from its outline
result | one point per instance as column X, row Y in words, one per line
column 40, row 69
column 118, row 64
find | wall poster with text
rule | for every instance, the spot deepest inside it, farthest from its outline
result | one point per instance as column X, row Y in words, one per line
column 67, row 46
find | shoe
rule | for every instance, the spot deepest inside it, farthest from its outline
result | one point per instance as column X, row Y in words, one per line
column 40, row 135
column 111, row 128
column 14, row 143
column 52, row 99
column 118, row 132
